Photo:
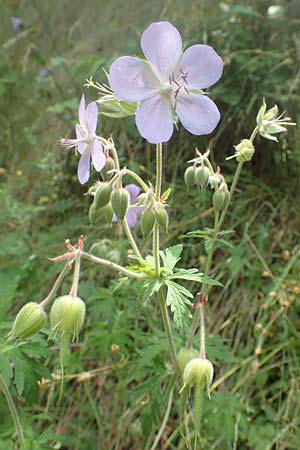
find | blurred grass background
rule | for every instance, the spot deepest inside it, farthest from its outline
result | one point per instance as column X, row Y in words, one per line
column 253, row 322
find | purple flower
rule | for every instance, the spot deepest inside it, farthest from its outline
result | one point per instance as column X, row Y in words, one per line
column 169, row 83
column 86, row 141
column 17, row 24
column 45, row 71
column 132, row 214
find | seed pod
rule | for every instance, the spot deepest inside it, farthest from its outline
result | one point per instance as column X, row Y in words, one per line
column 189, row 177
column 184, row 356
column 120, row 201
column 162, row 218
column 94, row 215
column 147, row 222
column 202, row 175
column 67, row 315
column 244, row 150
column 109, row 165
column 198, row 372
column 219, row 198
column 30, row 319
column 102, row 196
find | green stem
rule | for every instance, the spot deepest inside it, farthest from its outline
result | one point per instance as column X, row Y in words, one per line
column 160, row 295
column 74, row 288
column 198, row 411
column 137, row 178
column 12, row 409
column 131, row 239
column 202, row 331
column 112, row 265
column 55, row 286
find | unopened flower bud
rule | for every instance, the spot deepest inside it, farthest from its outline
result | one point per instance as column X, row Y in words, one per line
column 107, row 213
column 67, row 315
column 220, row 197
column 198, row 372
column 120, row 201
column 109, row 165
column 214, row 180
column 202, row 176
column 102, row 196
column 94, row 215
column 30, row 319
column 147, row 221
column 185, row 355
column 244, row 150
column 162, row 218
column 189, row 177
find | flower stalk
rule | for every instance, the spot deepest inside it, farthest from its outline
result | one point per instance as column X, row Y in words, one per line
column 13, row 410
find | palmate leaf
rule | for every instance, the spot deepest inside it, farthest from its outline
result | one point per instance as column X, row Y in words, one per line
column 194, row 275
column 171, row 256
column 149, row 288
column 178, row 299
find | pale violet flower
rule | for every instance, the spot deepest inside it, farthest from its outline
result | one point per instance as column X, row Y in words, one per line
column 168, row 84
column 269, row 122
column 132, row 214
column 87, row 143
column 17, row 24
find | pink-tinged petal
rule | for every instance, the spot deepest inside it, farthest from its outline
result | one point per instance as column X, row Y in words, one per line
column 81, row 112
column 197, row 113
column 134, row 192
column 92, row 117
column 83, row 170
column 162, row 46
column 154, row 119
column 81, row 146
column 98, row 158
column 202, row 65
column 132, row 218
column 131, row 79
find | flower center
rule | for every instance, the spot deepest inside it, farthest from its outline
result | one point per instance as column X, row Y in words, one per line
column 175, row 84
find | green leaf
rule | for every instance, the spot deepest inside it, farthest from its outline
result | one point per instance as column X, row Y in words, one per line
column 149, row 288
column 194, row 275
column 171, row 256
column 178, row 298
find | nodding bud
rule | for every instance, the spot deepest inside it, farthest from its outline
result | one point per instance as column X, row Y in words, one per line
column 202, row 176
column 29, row 321
column 198, row 372
column 67, row 315
column 162, row 218
column 94, row 214
column 147, row 221
column 185, row 355
column 189, row 177
column 215, row 180
column 107, row 213
column 120, row 201
column 109, row 165
column 102, row 195
column 220, row 197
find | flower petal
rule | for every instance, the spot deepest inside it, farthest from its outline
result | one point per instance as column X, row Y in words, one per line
column 81, row 112
column 131, row 79
column 132, row 218
column 162, row 46
column 81, row 146
column 92, row 117
column 197, row 113
column 83, row 170
column 98, row 158
column 203, row 66
column 134, row 192
column 154, row 119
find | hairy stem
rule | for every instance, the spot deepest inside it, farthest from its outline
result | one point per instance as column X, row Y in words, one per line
column 56, row 285
column 74, row 287
column 160, row 294
column 131, row 239
column 137, row 178
column 12, row 409
column 117, row 267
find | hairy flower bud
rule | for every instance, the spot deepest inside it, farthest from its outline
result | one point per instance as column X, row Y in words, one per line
column 107, row 213
column 109, row 165
column 67, row 315
column 202, row 175
column 198, row 372
column 94, row 215
column 220, row 197
column 147, row 221
column 120, row 201
column 162, row 218
column 189, row 177
column 184, row 357
column 30, row 319
column 244, row 150
column 102, row 196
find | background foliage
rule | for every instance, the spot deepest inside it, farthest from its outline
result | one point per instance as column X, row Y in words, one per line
column 113, row 398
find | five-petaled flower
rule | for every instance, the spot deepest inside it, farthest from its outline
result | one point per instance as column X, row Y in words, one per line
column 132, row 214
column 168, row 84
column 86, row 141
